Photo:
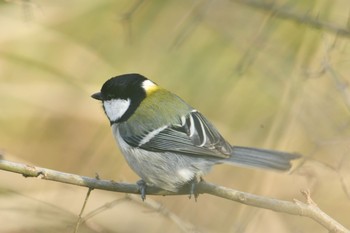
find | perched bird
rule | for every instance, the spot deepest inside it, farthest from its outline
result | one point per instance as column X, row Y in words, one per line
column 168, row 143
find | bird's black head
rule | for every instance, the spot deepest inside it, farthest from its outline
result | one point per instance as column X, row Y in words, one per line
column 122, row 87
column 121, row 95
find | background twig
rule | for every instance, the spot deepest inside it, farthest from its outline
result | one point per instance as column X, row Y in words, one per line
column 296, row 17
column 82, row 211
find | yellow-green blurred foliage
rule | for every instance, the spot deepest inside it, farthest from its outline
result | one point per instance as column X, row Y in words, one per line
column 262, row 80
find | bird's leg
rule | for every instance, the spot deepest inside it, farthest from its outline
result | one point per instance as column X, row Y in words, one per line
column 193, row 184
column 142, row 188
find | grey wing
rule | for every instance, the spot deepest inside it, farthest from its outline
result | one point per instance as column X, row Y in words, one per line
column 195, row 136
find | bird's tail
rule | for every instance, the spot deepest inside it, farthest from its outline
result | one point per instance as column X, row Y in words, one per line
column 261, row 158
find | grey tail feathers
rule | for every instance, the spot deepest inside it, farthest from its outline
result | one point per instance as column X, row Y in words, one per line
column 261, row 158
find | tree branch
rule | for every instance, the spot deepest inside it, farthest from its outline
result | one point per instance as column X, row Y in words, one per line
column 308, row 209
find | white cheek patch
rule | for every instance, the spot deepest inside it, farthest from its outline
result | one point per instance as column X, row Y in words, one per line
column 116, row 108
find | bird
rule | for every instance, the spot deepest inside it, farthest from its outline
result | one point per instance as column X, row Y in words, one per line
column 167, row 142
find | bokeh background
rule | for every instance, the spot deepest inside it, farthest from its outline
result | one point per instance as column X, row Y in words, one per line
column 273, row 74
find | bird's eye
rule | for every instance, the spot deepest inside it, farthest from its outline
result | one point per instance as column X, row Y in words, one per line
column 109, row 97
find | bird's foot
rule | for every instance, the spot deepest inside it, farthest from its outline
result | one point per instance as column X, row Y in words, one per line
column 142, row 188
column 193, row 183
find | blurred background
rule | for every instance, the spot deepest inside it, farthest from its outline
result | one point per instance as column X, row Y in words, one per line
column 270, row 74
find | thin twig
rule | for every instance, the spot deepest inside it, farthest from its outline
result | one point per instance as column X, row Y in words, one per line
column 153, row 205
column 298, row 18
column 126, row 19
column 102, row 208
column 82, row 211
column 339, row 81
column 190, row 23
column 294, row 208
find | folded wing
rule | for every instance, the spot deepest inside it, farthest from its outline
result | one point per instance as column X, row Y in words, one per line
column 194, row 136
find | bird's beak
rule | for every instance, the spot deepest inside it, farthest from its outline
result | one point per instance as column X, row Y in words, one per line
column 97, row 96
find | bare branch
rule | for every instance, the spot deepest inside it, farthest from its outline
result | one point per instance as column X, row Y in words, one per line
column 309, row 209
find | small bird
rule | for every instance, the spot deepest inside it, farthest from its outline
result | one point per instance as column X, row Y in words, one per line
column 168, row 143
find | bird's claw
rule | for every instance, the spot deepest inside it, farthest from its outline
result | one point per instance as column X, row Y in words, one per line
column 142, row 188
column 193, row 183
